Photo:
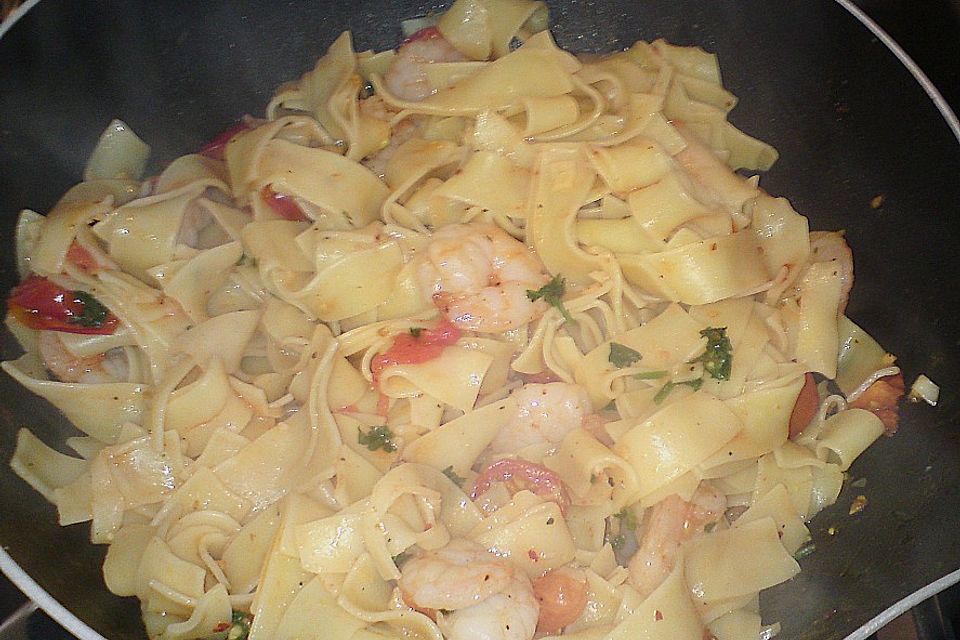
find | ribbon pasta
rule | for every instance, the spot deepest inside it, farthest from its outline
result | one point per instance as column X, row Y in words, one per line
column 296, row 400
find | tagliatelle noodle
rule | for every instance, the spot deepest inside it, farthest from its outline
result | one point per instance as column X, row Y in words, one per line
column 303, row 394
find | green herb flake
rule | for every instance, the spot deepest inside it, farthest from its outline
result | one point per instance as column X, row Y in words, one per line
column 627, row 518
column 454, row 478
column 400, row 558
column 617, row 541
column 622, row 356
column 665, row 390
column 379, row 437
column 552, row 293
column 238, row 629
column 805, row 550
column 718, row 358
column 650, row 375
column 94, row 314
column 416, row 331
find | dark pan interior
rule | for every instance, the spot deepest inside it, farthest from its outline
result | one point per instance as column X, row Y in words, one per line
column 850, row 123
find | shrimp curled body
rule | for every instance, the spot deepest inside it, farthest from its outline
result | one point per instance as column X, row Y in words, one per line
column 478, row 276
column 406, row 78
column 544, row 414
column 474, row 594
column 672, row 521
column 102, row 368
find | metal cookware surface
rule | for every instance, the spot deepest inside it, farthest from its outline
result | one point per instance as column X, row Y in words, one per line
column 849, row 120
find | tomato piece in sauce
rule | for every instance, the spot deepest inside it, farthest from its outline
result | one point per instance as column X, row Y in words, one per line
column 427, row 33
column 415, row 347
column 882, row 398
column 521, row 474
column 217, row 147
column 283, row 205
column 41, row 304
column 804, row 410
column 82, row 258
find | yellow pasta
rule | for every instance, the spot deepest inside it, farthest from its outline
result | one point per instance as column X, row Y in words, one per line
column 457, row 327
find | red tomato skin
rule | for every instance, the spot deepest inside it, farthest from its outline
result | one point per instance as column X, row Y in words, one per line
column 82, row 258
column 410, row 349
column 40, row 304
column 283, row 205
column 216, row 148
column 427, row 33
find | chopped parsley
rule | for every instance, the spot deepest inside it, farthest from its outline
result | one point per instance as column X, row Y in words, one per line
column 805, row 550
column 237, row 629
column 617, row 541
column 627, row 518
column 622, row 356
column 649, row 375
column 379, row 437
column 552, row 293
column 454, row 478
column 416, row 331
column 718, row 358
column 665, row 390
column 94, row 314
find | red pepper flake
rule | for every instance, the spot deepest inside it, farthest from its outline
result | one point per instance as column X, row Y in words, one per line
column 223, row 626
column 534, row 555
column 657, row 615
column 408, row 348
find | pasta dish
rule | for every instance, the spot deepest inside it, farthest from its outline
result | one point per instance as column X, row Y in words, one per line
column 472, row 338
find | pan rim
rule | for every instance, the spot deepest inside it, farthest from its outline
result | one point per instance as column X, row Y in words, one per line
column 73, row 624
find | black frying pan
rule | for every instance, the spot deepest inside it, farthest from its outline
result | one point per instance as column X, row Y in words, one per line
column 850, row 121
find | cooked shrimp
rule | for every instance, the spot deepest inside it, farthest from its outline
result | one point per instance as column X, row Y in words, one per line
column 672, row 521
column 67, row 367
column 406, row 77
column 827, row 246
column 405, row 130
column 562, row 594
column 883, row 399
column 478, row 276
column 544, row 413
column 474, row 594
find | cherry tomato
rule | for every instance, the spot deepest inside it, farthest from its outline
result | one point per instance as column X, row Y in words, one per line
column 40, row 304
column 217, row 147
column 285, row 206
column 420, row 345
